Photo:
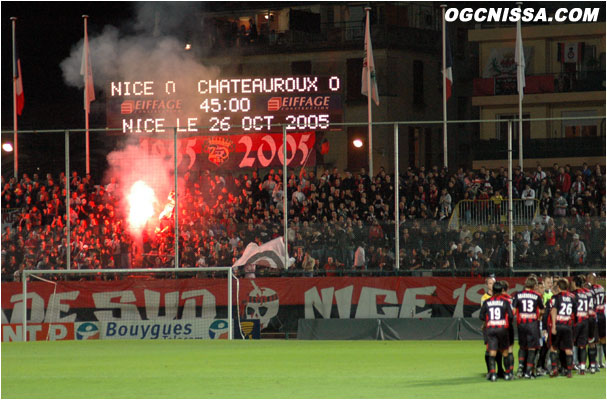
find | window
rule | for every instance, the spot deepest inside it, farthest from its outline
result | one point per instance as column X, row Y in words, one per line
column 579, row 127
column 502, row 127
column 418, row 83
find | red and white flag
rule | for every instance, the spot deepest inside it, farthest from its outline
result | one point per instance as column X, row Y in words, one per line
column 370, row 64
column 449, row 62
column 87, row 72
column 19, row 85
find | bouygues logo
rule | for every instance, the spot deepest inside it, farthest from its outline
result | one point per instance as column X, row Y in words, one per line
column 218, row 148
column 87, row 331
column 219, row 329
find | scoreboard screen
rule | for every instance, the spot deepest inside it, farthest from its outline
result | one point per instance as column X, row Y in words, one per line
column 225, row 105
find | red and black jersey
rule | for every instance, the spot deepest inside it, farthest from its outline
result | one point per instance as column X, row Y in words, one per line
column 496, row 312
column 527, row 305
column 507, row 297
column 565, row 304
column 599, row 298
column 583, row 297
column 591, row 303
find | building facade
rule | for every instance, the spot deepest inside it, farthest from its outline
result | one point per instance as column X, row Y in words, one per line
column 565, row 78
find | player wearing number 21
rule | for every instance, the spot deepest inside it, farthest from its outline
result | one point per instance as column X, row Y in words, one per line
column 496, row 312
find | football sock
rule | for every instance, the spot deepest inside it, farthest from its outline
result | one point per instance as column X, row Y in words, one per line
column 487, row 361
column 592, row 355
column 581, row 356
column 509, row 362
column 531, row 358
column 522, row 356
column 569, row 361
column 492, row 364
column 553, row 359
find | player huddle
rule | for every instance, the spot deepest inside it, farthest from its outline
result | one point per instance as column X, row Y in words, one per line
column 555, row 318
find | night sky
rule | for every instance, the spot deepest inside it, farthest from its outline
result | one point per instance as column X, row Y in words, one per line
column 46, row 32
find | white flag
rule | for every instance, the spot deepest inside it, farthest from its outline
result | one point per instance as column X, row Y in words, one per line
column 270, row 254
column 87, row 72
column 519, row 58
column 369, row 63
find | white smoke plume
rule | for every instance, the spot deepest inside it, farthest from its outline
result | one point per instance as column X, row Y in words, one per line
column 152, row 50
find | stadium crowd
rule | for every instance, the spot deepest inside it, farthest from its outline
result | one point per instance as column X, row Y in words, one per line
column 339, row 222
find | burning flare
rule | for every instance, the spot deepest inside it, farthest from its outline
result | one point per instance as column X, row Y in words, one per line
column 141, row 203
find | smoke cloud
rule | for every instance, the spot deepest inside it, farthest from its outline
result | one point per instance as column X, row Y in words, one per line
column 153, row 50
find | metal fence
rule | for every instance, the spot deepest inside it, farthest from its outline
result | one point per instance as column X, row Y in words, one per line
column 338, row 222
column 482, row 213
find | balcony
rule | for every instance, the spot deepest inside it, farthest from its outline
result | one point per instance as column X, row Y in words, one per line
column 544, row 83
column 344, row 36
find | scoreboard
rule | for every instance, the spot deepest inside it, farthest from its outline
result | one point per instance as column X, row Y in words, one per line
column 225, row 105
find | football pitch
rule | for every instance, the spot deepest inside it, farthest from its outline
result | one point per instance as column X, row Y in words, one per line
column 268, row 369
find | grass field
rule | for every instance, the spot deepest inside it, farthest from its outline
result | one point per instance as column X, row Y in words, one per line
column 268, row 369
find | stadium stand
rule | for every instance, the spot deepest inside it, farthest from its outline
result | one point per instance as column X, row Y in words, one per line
column 330, row 216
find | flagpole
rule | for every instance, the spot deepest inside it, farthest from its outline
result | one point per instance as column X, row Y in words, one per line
column 520, row 99
column 86, row 90
column 510, row 218
column 369, row 96
column 445, row 155
column 15, row 146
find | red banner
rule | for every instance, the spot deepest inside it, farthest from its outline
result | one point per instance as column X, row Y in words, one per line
column 256, row 150
column 263, row 299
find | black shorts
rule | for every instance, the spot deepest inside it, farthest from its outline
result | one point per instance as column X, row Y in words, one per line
column 580, row 333
column 485, row 335
column 529, row 335
column 563, row 340
column 601, row 324
column 592, row 332
column 497, row 339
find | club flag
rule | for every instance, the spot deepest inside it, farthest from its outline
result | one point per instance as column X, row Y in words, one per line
column 19, row 84
column 369, row 63
column 449, row 64
column 270, row 254
column 519, row 58
column 87, row 72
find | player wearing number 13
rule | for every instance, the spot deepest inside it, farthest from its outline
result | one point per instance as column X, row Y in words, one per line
column 528, row 307
column 562, row 315
column 496, row 312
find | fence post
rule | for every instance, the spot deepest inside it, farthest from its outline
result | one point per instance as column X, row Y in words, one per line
column 284, row 195
column 176, row 210
column 396, row 203
column 510, row 222
column 67, row 200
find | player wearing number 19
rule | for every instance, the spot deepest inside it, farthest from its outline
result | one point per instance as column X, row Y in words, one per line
column 496, row 312
column 528, row 306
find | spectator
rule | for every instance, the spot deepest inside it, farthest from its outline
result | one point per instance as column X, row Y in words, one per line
column 577, row 251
